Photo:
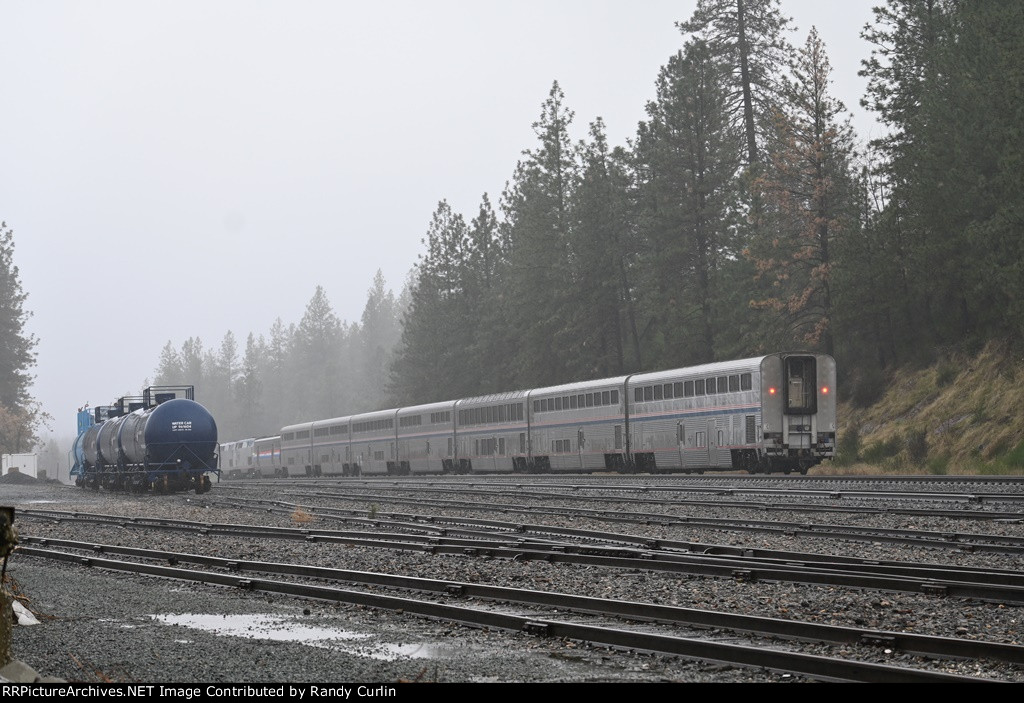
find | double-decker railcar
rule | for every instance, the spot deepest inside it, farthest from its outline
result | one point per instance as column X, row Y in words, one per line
column 769, row 413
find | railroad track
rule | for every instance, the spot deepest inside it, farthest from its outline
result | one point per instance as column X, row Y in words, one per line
column 755, row 654
column 516, row 541
column 587, row 564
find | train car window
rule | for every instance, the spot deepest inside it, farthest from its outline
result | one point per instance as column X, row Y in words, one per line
column 648, row 393
column 638, row 395
column 565, row 402
column 668, row 391
column 502, row 413
column 688, row 389
column 606, row 397
column 677, row 389
column 615, row 397
column 723, row 384
column 558, row 403
column 801, row 385
column 573, row 402
column 590, row 400
column 745, row 382
column 302, row 435
column 536, row 406
column 734, row 384
column 698, row 387
column 657, row 392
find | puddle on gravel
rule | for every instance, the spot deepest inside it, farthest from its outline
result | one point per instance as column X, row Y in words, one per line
column 269, row 627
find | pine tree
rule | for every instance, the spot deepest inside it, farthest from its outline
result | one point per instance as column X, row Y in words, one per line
column 537, row 217
column 17, row 347
column 749, row 36
column 315, row 351
column 435, row 334
column 600, row 260
column 169, row 368
column 688, row 155
column 812, row 195
column 377, row 336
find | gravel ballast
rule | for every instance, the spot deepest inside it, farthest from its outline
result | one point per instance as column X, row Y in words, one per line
column 103, row 626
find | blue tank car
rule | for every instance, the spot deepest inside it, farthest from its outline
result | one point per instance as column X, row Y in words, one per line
column 162, row 441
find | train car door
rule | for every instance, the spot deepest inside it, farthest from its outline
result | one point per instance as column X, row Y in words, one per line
column 581, row 445
column 681, row 443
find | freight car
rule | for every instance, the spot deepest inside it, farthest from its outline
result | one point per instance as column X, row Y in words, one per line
column 773, row 413
column 162, row 441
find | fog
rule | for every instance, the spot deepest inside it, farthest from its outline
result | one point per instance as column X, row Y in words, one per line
column 181, row 169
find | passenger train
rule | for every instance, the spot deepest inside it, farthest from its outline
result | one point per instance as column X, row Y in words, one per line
column 774, row 413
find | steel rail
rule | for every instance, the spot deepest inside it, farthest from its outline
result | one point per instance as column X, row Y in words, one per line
column 683, row 487
column 825, row 668
column 833, row 634
column 933, row 538
column 648, row 550
column 745, row 567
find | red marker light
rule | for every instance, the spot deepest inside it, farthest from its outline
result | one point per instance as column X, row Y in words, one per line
column 771, row 391
column 824, row 390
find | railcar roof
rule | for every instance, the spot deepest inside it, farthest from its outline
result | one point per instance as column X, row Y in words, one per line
column 578, row 386
column 333, row 421
column 493, row 398
column 716, row 368
column 427, row 407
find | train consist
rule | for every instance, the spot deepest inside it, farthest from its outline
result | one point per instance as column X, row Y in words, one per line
column 774, row 413
column 162, row 441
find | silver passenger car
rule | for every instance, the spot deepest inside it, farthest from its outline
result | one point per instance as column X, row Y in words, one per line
column 768, row 413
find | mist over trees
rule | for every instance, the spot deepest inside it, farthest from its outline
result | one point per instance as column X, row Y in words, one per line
column 743, row 217
column 317, row 368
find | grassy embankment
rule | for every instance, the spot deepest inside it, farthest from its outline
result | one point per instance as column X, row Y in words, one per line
column 960, row 416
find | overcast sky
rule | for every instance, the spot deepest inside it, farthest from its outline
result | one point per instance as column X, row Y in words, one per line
column 183, row 168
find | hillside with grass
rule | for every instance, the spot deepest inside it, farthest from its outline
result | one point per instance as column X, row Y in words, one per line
column 962, row 415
